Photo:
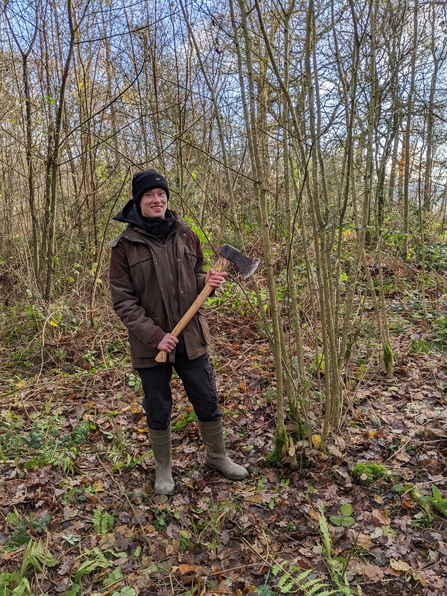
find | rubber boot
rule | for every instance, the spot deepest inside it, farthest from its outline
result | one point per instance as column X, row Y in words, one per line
column 212, row 435
column 161, row 446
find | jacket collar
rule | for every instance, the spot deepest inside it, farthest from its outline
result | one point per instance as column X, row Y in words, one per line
column 130, row 215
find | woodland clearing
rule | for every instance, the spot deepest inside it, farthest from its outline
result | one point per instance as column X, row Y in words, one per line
column 310, row 135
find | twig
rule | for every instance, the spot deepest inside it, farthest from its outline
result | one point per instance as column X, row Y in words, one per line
column 112, row 587
column 402, row 447
column 245, row 541
column 224, row 571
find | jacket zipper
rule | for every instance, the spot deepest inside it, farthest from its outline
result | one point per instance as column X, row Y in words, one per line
column 171, row 279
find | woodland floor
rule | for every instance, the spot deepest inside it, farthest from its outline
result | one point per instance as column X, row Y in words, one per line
column 76, row 473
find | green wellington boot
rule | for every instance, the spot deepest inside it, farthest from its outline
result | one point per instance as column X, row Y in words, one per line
column 212, row 435
column 161, row 446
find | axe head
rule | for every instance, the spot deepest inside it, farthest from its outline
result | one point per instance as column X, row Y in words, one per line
column 246, row 265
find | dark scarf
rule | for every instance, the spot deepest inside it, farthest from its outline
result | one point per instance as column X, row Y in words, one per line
column 158, row 227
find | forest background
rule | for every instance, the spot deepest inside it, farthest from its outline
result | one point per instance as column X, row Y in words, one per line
column 310, row 135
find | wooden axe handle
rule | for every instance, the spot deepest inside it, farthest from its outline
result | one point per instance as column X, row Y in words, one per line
column 221, row 264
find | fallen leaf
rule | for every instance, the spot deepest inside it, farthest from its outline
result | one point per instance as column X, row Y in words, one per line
column 363, row 540
column 223, row 588
column 403, row 456
column 381, row 517
column 333, row 450
column 261, row 571
column 399, row 565
column 183, row 568
column 373, row 572
column 66, row 566
column 377, row 533
column 255, row 499
column 331, row 492
column 20, row 495
column 313, row 513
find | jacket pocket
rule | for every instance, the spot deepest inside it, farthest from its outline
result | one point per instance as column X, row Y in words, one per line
column 191, row 258
column 142, row 271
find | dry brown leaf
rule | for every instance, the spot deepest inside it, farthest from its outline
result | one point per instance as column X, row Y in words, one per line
column 313, row 513
column 399, row 565
column 127, row 531
column 66, row 566
column 255, row 499
column 20, row 495
column 331, row 492
column 403, row 456
column 98, row 487
column 223, row 588
column 363, row 540
column 373, row 572
column 380, row 515
column 333, row 450
column 183, row 568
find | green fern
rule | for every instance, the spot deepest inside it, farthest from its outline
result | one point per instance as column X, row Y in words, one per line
column 324, row 529
column 95, row 559
column 340, row 578
column 13, row 583
column 102, row 521
column 292, row 581
column 36, row 556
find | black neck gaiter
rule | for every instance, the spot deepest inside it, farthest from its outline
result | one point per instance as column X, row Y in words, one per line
column 158, row 227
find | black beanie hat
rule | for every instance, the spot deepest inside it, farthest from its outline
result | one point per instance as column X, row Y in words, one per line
column 147, row 180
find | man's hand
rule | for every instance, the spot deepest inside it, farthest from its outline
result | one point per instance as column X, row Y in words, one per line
column 168, row 343
column 215, row 280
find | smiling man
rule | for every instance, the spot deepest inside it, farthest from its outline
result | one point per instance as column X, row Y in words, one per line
column 156, row 273
column 153, row 203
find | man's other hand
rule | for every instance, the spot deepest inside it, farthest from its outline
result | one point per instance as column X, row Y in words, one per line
column 215, row 280
column 168, row 343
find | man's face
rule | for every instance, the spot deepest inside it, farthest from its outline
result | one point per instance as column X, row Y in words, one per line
column 153, row 203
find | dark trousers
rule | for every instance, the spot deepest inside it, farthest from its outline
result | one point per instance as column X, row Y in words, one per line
column 198, row 381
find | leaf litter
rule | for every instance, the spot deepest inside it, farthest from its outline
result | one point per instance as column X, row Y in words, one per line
column 76, row 483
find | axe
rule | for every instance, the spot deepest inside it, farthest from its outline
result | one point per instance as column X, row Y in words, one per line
column 227, row 255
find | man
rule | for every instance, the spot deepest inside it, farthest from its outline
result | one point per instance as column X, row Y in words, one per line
column 156, row 272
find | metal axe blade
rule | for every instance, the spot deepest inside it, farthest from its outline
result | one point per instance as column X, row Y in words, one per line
column 246, row 265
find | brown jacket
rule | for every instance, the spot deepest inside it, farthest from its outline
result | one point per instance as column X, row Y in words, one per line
column 153, row 285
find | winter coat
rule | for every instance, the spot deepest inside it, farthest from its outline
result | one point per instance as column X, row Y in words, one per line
column 153, row 285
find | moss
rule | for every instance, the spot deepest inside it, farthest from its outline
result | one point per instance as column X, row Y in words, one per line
column 296, row 417
column 279, row 447
column 367, row 473
column 388, row 359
